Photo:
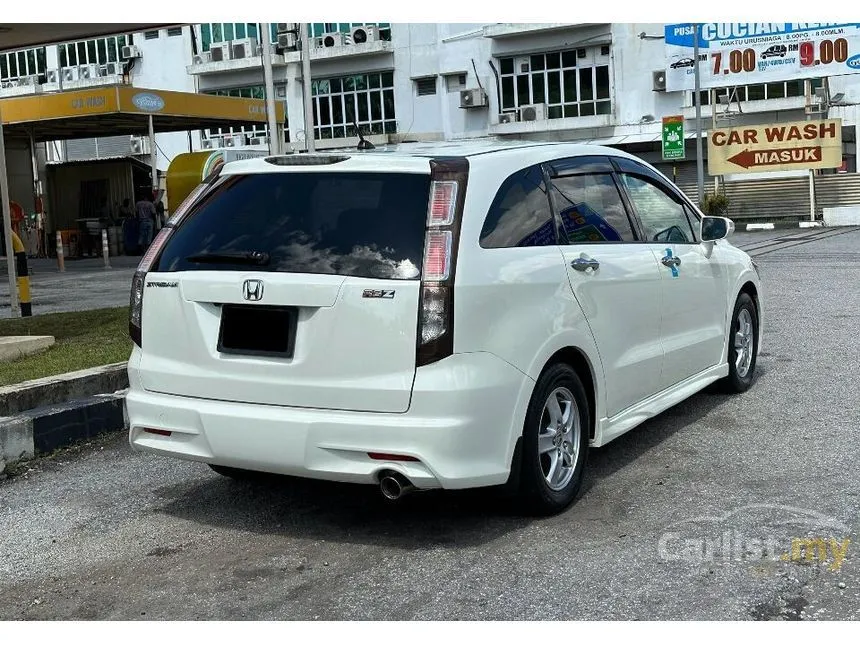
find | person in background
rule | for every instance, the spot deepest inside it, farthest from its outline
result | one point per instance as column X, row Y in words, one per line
column 146, row 216
column 125, row 210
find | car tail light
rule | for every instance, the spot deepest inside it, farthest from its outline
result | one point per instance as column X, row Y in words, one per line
column 135, row 312
column 437, row 255
column 443, row 202
column 444, row 212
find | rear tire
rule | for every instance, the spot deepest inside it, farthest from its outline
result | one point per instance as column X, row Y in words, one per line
column 239, row 474
column 555, row 442
column 743, row 346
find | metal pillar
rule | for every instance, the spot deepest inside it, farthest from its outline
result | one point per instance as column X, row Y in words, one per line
column 7, row 227
column 700, row 170
column 807, row 90
column 153, row 157
column 304, row 40
column 268, row 79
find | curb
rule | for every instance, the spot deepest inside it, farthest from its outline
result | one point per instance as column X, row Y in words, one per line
column 44, row 429
column 769, row 226
column 15, row 399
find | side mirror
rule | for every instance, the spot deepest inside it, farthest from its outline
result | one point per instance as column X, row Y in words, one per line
column 716, row 228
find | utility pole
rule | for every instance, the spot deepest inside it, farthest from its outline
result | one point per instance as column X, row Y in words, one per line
column 700, row 169
column 304, row 44
column 268, row 79
column 7, row 228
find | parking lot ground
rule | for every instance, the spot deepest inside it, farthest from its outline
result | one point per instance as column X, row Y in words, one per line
column 672, row 522
column 84, row 285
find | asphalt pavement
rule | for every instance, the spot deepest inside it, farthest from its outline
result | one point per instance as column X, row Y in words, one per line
column 690, row 516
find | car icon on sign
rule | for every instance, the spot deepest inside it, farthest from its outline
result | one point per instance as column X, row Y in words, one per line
column 775, row 50
column 683, row 62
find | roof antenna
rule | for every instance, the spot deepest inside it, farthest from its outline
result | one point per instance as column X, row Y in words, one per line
column 363, row 144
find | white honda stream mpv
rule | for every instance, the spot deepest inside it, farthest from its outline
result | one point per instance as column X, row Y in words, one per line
column 432, row 316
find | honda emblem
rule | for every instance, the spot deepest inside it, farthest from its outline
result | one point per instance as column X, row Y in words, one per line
column 252, row 290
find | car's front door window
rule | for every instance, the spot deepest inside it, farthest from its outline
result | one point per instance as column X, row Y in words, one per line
column 662, row 216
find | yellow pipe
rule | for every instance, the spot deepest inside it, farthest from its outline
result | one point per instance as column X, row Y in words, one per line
column 23, row 275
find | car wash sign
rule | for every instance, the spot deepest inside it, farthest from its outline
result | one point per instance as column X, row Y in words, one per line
column 745, row 53
column 796, row 145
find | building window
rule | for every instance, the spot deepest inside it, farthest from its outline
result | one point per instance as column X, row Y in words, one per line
column 26, row 62
column 222, row 32
column 150, row 35
column 366, row 99
column 317, row 29
column 757, row 92
column 99, row 51
column 174, row 31
column 571, row 83
column 256, row 130
column 425, row 86
column 455, row 82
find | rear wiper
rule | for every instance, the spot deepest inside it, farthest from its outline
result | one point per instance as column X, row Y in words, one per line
column 259, row 258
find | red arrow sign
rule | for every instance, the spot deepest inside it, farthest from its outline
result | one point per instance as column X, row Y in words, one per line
column 777, row 156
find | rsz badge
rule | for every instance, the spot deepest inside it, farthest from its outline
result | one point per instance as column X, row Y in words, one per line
column 378, row 293
column 167, row 285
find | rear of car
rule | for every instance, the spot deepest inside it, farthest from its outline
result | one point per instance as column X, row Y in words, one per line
column 296, row 317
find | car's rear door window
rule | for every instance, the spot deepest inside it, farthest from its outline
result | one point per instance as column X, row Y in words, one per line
column 357, row 224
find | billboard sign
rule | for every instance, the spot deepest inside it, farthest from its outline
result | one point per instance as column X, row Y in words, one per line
column 741, row 53
column 795, row 145
column 673, row 137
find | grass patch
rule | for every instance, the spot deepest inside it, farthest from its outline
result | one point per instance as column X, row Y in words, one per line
column 84, row 339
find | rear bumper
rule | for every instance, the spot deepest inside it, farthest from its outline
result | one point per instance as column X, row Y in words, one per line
column 462, row 424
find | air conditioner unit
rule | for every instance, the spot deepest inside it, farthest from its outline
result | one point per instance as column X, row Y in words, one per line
column 139, row 145
column 258, row 141
column 70, row 74
column 366, row 34
column 474, row 98
column 522, row 65
column 658, row 81
column 287, row 42
column 25, row 81
column 243, row 48
column 281, row 92
column 111, row 69
column 130, row 51
column 533, row 112
column 234, row 140
column 509, row 117
column 284, row 27
column 89, row 72
column 331, row 39
column 201, row 58
column 207, row 144
column 219, row 52
column 52, row 76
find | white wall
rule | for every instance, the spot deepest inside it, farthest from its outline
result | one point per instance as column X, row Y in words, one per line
column 162, row 67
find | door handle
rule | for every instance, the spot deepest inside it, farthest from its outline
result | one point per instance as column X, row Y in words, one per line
column 581, row 264
column 670, row 261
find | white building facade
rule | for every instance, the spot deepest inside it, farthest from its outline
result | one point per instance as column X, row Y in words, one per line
column 572, row 82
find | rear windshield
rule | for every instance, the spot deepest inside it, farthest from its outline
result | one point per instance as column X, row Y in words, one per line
column 353, row 224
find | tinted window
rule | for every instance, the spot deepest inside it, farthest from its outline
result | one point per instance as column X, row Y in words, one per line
column 358, row 224
column 520, row 214
column 663, row 217
column 591, row 209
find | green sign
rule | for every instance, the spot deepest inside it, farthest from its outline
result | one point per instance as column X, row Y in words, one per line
column 673, row 137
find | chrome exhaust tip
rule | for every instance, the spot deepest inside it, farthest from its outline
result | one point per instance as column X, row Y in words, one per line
column 393, row 485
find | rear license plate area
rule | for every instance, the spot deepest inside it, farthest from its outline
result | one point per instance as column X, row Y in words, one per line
column 257, row 330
